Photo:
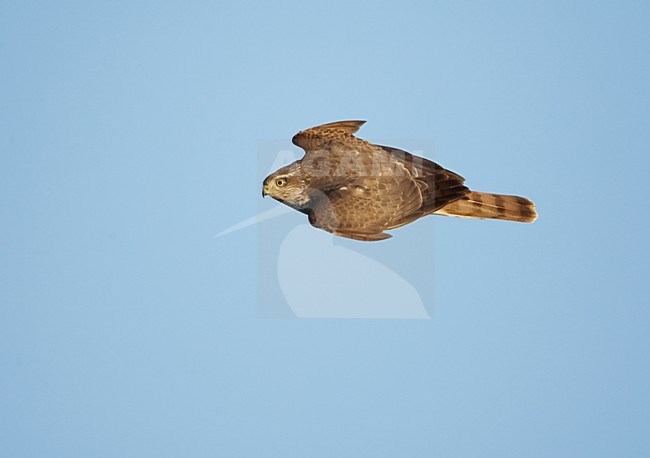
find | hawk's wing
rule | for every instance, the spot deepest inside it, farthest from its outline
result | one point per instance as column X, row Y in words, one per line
column 442, row 186
column 314, row 137
column 358, row 189
column 439, row 186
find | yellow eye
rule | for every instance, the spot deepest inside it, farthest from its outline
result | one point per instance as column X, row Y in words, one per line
column 280, row 182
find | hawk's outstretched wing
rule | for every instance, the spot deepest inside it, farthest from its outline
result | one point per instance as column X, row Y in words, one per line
column 358, row 189
column 369, row 187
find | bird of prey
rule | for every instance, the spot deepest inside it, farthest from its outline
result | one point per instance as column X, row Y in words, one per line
column 356, row 189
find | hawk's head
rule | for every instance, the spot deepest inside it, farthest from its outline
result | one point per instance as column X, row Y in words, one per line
column 287, row 185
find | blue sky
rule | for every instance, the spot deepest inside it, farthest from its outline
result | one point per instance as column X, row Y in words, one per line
column 130, row 134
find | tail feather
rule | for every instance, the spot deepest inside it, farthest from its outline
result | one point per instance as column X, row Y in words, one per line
column 494, row 206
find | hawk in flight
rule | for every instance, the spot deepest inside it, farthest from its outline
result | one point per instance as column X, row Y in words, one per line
column 353, row 188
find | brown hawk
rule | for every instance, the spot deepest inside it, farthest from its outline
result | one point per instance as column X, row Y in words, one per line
column 353, row 188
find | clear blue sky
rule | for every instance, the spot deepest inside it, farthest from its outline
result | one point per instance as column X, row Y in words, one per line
column 130, row 134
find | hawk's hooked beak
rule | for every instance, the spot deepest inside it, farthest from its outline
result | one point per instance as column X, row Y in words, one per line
column 265, row 190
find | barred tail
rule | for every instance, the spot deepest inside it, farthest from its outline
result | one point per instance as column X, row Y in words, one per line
column 493, row 206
